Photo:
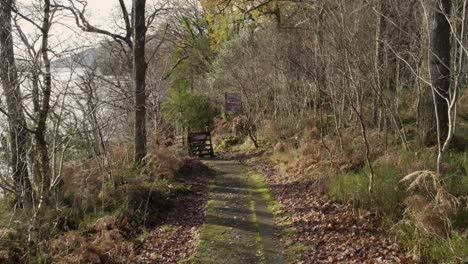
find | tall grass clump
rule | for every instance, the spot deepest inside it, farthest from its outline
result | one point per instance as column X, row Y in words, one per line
column 428, row 224
column 428, row 214
column 386, row 199
column 432, row 249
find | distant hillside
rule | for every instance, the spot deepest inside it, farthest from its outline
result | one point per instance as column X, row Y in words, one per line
column 85, row 58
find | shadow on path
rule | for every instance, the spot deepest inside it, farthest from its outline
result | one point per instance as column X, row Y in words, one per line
column 238, row 227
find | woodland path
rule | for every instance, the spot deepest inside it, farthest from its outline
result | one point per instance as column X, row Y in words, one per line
column 238, row 227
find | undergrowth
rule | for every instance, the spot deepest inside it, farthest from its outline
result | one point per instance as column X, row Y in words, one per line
column 336, row 163
column 389, row 196
column 98, row 212
column 433, row 249
column 338, row 167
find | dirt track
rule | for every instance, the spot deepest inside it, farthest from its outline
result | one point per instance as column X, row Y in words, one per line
column 238, row 227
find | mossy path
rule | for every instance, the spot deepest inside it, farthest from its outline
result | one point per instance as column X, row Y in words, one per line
column 238, row 227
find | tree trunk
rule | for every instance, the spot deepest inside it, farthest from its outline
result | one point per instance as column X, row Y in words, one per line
column 19, row 137
column 139, row 75
column 40, row 135
column 380, row 63
column 439, row 60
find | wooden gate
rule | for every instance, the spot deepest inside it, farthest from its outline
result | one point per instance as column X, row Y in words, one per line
column 199, row 144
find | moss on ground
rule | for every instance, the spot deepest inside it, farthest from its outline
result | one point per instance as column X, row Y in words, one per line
column 235, row 224
column 293, row 251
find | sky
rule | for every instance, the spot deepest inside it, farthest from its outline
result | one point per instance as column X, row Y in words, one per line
column 65, row 35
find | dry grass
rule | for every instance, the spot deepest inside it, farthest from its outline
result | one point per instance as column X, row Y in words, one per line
column 72, row 247
column 7, row 233
column 221, row 126
column 161, row 165
column 107, row 247
column 271, row 131
column 421, row 181
column 8, row 237
column 112, row 248
column 82, row 184
column 310, row 156
column 127, row 198
column 225, row 134
column 338, row 165
column 431, row 207
column 406, row 163
column 427, row 216
column 108, row 222
column 120, row 154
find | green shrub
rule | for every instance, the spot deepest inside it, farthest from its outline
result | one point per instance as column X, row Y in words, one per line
column 63, row 218
column 12, row 239
column 131, row 197
column 350, row 187
column 432, row 249
column 387, row 196
column 90, row 219
column 229, row 142
column 192, row 111
column 456, row 181
column 125, row 176
column 141, row 203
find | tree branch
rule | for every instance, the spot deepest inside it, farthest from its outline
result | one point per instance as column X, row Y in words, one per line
column 84, row 25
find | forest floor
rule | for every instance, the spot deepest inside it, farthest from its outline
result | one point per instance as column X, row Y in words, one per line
column 246, row 217
column 223, row 220
column 175, row 238
column 315, row 230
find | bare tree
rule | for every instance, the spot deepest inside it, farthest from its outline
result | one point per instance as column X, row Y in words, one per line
column 134, row 38
column 19, row 135
column 139, row 76
column 440, row 62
